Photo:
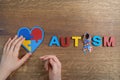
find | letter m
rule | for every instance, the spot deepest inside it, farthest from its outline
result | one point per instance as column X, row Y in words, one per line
column 109, row 42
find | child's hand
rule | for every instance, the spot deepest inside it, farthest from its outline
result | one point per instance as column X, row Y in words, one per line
column 53, row 65
column 10, row 60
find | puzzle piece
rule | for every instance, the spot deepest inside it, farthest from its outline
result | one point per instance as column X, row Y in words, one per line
column 37, row 34
column 26, row 44
column 33, row 38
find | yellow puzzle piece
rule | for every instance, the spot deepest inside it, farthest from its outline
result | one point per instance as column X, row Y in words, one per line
column 26, row 43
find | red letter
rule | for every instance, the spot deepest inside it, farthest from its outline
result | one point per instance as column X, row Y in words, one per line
column 109, row 42
column 66, row 42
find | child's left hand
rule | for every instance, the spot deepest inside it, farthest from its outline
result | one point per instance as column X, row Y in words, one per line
column 10, row 60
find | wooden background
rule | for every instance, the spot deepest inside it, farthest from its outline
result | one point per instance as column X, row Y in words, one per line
column 65, row 18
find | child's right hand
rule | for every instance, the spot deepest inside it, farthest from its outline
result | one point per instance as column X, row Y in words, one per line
column 53, row 66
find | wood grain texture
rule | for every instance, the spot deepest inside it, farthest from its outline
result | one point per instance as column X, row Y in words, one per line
column 65, row 18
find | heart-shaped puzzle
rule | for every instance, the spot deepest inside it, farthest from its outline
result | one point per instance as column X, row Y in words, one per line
column 33, row 37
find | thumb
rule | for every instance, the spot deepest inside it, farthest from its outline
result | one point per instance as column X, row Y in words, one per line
column 24, row 59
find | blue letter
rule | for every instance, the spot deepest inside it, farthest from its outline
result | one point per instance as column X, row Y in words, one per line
column 54, row 41
column 97, row 40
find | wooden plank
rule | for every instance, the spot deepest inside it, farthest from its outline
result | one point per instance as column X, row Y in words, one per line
column 65, row 18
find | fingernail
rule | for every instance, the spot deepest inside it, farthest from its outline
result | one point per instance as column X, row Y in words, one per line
column 30, row 53
column 21, row 36
column 41, row 57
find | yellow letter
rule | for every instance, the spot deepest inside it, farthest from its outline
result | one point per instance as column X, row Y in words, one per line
column 76, row 39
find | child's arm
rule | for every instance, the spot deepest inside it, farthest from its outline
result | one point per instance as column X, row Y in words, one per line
column 53, row 66
column 10, row 60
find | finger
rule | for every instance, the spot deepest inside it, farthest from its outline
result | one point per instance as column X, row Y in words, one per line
column 11, row 41
column 46, row 57
column 24, row 59
column 52, row 63
column 43, row 57
column 51, row 56
column 46, row 65
column 56, row 60
column 17, row 46
column 14, row 43
column 5, row 46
